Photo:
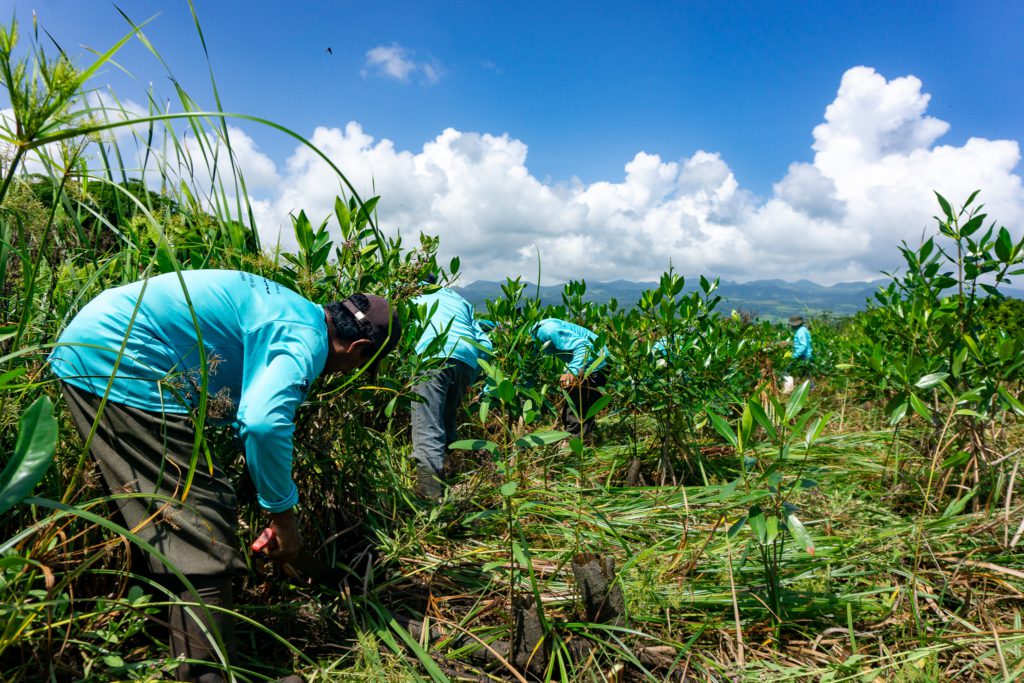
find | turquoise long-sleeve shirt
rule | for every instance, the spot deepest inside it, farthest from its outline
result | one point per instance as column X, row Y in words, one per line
column 802, row 344
column 569, row 342
column 462, row 334
column 264, row 346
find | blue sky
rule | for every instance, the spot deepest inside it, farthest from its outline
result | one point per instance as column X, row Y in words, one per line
column 587, row 86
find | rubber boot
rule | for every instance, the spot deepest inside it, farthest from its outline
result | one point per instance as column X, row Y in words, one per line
column 429, row 483
column 190, row 626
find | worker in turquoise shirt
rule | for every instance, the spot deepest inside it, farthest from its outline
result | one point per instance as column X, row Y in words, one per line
column 574, row 345
column 262, row 345
column 801, row 363
column 435, row 419
column 665, row 349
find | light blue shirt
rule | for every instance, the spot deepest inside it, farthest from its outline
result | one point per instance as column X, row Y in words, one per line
column 802, row 344
column 665, row 346
column 264, row 346
column 463, row 332
column 569, row 342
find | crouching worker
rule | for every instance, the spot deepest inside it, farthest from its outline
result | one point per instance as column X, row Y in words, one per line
column 435, row 418
column 130, row 364
column 574, row 345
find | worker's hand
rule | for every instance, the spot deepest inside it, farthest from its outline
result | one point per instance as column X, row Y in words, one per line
column 568, row 380
column 285, row 543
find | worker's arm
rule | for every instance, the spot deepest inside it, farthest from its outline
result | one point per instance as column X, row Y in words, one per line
column 276, row 380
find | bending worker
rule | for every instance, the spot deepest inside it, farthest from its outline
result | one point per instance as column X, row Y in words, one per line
column 435, row 419
column 131, row 363
column 574, row 345
column 802, row 354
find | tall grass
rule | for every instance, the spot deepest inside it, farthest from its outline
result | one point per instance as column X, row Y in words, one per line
column 903, row 584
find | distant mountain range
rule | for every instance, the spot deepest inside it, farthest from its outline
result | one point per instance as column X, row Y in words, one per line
column 766, row 299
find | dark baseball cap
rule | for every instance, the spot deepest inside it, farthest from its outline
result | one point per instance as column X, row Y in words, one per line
column 379, row 323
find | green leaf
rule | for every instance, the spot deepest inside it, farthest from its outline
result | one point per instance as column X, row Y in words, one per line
column 931, row 380
column 541, row 439
column 972, row 226
column 796, row 401
column 474, row 445
column 164, row 255
column 735, row 528
column 1011, row 401
column 723, row 428
column 598, row 406
column 344, row 217
column 1004, row 245
column 1007, row 349
column 946, row 209
column 11, row 375
column 509, row 489
column 576, row 444
column 758, row 524
column 814, row 429
column 506, row 391
column 957, row 505
column 363, row 215
column 958, row 361
column 136, row 595
column 762, row 419
column 958, row 458
column 771, row 524
column 919, row 407
column 422, row 655
column 33, row 453
column 113, row 661
column 799, row 533
column 746, row 425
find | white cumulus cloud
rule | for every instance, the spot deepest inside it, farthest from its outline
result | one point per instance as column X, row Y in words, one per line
column 396, row 62
column 877, row 160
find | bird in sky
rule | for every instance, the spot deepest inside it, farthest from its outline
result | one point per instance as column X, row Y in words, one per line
column 330, row 51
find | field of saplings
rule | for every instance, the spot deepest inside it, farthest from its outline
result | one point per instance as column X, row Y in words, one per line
column 867, row 525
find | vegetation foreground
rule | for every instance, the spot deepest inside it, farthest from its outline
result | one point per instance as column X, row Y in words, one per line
column 865, row 528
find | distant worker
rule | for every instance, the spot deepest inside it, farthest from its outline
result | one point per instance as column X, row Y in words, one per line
column 435, row 420
column 574, row 345
column 134, row 372
column 800, row 365
column 666, row 349
column 662, row 350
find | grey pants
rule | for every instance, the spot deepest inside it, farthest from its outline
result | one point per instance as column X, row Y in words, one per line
column 583, row 397
column 144, row 453
column 435, row 421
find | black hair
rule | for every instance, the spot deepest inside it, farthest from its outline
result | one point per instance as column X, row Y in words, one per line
column 347, row 328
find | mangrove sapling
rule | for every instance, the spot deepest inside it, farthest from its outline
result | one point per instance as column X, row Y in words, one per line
column 772, row 516
column 929, row 355
column 687, row 360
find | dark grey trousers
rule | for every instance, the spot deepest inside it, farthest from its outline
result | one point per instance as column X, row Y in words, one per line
column 140, row 452
column 435, row 421
column 146, row 453
column 583, row 397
